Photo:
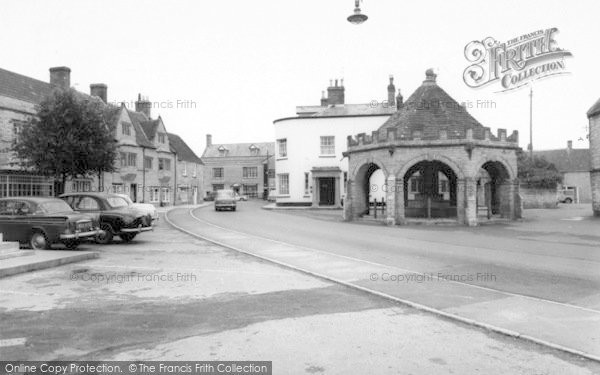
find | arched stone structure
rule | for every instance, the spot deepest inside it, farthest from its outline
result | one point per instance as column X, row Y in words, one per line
column 436, row 134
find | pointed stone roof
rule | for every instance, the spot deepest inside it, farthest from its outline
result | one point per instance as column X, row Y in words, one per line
column 595, row 109
column 428, row 111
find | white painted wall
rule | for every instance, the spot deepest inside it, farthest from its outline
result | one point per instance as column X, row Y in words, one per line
column 303, row 148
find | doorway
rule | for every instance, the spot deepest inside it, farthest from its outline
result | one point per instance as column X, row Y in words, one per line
column 133, row 192
column 326, row 191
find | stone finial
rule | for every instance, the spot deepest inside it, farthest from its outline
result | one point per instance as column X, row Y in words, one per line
column 430, row 76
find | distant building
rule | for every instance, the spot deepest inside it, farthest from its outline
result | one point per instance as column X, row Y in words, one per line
column 574, row 165
column 594, row 118
column 146, row 168
column 247, row 168
column 310, row 167
column 188, row 171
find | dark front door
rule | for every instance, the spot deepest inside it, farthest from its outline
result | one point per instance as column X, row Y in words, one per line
column 133, row 192
column 326, row 191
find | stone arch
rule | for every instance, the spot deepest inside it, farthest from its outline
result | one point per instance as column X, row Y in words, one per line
column 457, row 169
column 430, row 189
column 494, row 188
column 369, row 160
column 512, row 173
column 361, row 185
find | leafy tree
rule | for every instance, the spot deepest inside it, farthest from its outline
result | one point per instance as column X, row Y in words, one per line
column 71, row 136
column 537, row 173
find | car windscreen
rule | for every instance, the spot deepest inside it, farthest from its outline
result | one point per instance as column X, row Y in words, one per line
column 55, row 207
column 226, row 194
column 117, row 202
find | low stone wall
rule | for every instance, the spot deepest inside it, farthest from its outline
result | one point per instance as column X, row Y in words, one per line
column 539, row 198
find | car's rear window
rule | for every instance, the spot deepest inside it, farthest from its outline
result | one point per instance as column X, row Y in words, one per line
column 55, row 207
column 225, row 194
column 117, row 202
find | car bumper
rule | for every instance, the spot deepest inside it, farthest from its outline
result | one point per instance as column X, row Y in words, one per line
column 225, row 205
column 72, row 236
column 136, row 230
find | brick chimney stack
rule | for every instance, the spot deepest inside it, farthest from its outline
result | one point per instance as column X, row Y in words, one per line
column 399, row 100
column 391, row 89
column 335, row 94
column 208, row 140
column 60, row 76
column 144, row 105
column 569, row 145
column 323, row 99
column 100, row 90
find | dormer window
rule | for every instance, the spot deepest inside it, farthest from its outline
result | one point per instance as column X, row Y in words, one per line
column 161, row 137
column 223, row 151
column 126, row 128
column 254, row 150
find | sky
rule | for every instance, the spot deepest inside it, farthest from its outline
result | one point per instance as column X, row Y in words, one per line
column 231, row 67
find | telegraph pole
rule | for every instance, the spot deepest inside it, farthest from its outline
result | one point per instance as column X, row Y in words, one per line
column 531, row 122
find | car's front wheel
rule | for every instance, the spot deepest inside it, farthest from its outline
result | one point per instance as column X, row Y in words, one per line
column 106, row 235
column 38, row 241
column 568, row 200
column 127, row 237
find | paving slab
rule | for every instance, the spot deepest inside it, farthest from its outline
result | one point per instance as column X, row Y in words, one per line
column 42, row 259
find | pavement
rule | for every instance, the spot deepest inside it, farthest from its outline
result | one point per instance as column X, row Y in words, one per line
column 538, row 281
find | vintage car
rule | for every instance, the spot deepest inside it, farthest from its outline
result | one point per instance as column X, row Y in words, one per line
column 116, row 217
column 41, row 222
column 144, row 207
column 225, row 199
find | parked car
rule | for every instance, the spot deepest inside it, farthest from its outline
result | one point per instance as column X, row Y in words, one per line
column 116, row 217
column 210, row 196
column 42, row 222
column 566, row 196
column 225, row 199
column 241, row 197
column 144, row 207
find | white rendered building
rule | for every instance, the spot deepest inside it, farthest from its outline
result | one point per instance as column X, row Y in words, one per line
column 309, row 165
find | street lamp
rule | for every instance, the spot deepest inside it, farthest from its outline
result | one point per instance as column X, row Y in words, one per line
column 357, row 18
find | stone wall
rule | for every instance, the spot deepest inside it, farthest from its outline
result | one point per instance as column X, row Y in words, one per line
column 539, row 198
column 595, row 154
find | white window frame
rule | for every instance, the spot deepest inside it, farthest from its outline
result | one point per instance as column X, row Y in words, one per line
column 282, row 148
column 247, row 175
column 154, row 194
column 281, row 185
column 327, row 144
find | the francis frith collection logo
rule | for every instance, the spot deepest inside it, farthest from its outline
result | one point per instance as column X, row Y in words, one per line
column 514, row 63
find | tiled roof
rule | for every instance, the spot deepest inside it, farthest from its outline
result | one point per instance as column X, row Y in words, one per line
column 340, row 110
column 595, row 109
column 23, row 88
column 183, row 151
column 568, row 160
column 239, row 149
column 150, row 127
column 430, row 109
column 137, row 118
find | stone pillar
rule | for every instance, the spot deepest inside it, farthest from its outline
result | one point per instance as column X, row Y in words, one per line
column 337, row 195
column 349, row 201
column 518, row 201
column 460, row 201
column 315, row 193
column 595, row 177
column 470, row 202
column 400, row 217
column 390, row 199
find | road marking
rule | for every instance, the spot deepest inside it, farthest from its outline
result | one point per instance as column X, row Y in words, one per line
column 12, row 342
column 401, row 269
column 576, row 218
column 415, row 305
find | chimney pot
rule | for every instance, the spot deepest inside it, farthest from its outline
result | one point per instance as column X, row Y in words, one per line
column 144, row 106
column 570, row 145
column 60, row 76
column 100, row 90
